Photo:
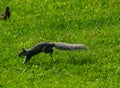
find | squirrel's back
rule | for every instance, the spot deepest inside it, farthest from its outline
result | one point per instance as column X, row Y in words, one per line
column 40, row 47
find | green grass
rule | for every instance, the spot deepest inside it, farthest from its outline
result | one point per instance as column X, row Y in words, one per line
column 94, row 23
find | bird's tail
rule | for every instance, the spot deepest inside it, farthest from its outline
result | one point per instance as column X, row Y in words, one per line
column 67, row 46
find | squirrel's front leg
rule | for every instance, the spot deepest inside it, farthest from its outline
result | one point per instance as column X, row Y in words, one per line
column 26, row 59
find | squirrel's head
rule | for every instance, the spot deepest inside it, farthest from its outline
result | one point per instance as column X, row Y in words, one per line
column 22, row 53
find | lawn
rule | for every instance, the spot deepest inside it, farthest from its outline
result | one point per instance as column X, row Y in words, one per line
column 93, row 23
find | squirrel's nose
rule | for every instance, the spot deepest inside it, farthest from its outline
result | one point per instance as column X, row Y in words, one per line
column 19, row 55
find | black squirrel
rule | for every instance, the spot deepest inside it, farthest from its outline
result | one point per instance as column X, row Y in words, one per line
column 6, row 13
column 47, row 47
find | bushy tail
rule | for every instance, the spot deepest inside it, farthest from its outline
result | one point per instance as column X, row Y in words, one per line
column 66, row 46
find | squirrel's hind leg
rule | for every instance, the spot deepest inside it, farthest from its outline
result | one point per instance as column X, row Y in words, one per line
column 51, row 54
column 48, row 49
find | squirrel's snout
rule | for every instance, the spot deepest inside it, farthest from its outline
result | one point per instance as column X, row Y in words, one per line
column 19, row 55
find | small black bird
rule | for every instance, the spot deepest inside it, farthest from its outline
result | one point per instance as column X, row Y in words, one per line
column 6, row 13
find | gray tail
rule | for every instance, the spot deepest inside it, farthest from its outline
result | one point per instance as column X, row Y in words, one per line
column 66, row 46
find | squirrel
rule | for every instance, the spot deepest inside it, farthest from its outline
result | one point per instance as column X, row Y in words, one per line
column 6, row 13
column 47, row 47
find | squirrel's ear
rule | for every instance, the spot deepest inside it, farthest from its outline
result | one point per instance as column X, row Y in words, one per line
column 23, row 49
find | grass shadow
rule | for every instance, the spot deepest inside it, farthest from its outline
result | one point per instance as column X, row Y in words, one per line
column 81, row 61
